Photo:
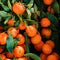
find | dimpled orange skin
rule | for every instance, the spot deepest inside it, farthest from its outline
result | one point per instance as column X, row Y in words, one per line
column 18, row 8
column 2, row 56
column 50, row 9
column 46, row 32
column 18, row 51
column 51, row 43
column 22, row 39
column 45, row 22
column 9, row 55
column 13, row 31
column 38, row 46
column 36, row 39
column 46, row 49
column 1, row 50
column 22, row 26
column 43, row 56
column 31, row 31
column 3, row 38
column 52, row 57
column 48, row 2
column 10, row 22
column 23, row 58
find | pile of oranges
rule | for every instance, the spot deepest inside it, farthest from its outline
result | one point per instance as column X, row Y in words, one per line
column 36, row 37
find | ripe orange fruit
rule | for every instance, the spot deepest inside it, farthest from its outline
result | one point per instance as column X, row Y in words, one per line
column 1, row 50
column 1, row 28
column 38, row 46
column 2, row 56
column 50, row 9
column 56, row 54
column 3, row 38
column 22, row 26
column 18, row 8
column 51, row 43
column 22, row 39
column 18, row 51
column 10, row 22
column 13, row 31
column 45, row 22
column 31, row 31
column 46, row 32
column 48, row 2
column 23, row 58
column 9, row 55
column 46, row 49
column 43, row 56
column 36, row 39
column 24, row 46
column 7, row 59
column 52, row 57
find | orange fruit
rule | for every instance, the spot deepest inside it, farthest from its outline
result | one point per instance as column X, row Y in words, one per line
column 45, row 22
column 9, row 55
column 1, row 50
column 10, row 22
column 36, row 39
column 23, row 58
column 50, row 9
column 46, row 49
column 38, row 46
column 13, row 31
column 18, row 8
column 18, row 51
column 3, row 38
column 51, row 43
column 22, row 39
column 52, row 57
column 56, row 54
column 2, row 56
column 7, row 59
column 46, row 32
column 48, row 2
column 22, row 26
column 43, row 56
column 31, row 31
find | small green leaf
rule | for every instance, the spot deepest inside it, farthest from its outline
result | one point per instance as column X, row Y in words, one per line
column 6, row 8
column 13, row 1
column 33, row 56
column 26, row 42
column 28, row 13
column 30, row 4
column 9, row 5
column 0, row 58
column 53, row 19
column 4, row 14
column 10, row 44
column 55, row 6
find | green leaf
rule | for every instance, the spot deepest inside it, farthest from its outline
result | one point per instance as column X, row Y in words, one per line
column 28, row 13
column 55, row 6
column 13, row 1
column 9, row 4
column 33, row 56
column 53, row 19
column 4, row 14
column 0, row 58
column 30, row 4
column 3, row 1
column 10, row 44
column 26, row 42
column 6, row 8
